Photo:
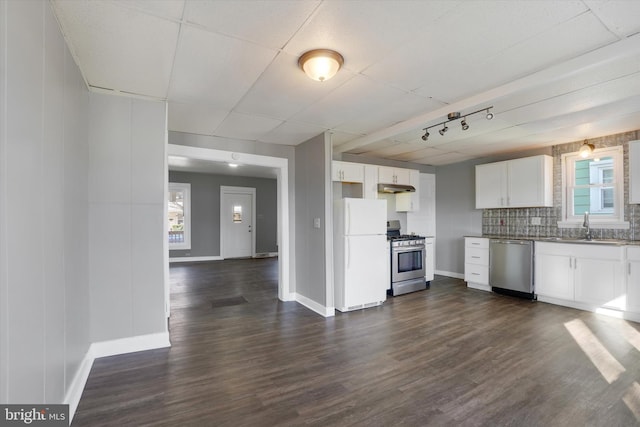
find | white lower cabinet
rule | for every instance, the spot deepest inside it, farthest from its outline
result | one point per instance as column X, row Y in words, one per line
column 588, row 274
column 476, row 262
column 633, row 278
column 554, row 275
column 429, row 262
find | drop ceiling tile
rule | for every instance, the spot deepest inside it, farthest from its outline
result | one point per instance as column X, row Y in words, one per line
column 193, row 118
column 358, row 98
column 388, row 111
column 365, row 31
column 620, row 16
column 283, row 89
column 292, row 133
column 420, row 153
column 243, row 126
column 392, row 150
column 608, row 93
column 119, row 48
column 580, row 80
column 444, row 159
column 569, row 40
column 339, row 138
column 170, row 9
column 214, row 69
column 267, row 23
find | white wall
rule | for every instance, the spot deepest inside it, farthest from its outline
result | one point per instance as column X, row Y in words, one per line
column 127, row 146
column 44, row 292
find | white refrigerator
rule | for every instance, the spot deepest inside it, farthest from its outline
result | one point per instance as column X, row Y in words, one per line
column 361, row 253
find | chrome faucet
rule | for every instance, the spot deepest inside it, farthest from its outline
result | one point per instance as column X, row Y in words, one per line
column 587, row 236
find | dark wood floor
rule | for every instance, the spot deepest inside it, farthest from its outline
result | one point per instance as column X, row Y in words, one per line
column 445, row 356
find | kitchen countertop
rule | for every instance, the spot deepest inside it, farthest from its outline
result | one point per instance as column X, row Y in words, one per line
column 570, row 240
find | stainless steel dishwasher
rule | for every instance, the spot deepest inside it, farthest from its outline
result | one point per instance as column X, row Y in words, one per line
column 511, row 267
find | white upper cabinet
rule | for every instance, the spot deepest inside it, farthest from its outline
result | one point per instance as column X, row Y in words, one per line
column 370, row 190
column 491, row 185
column 526, row 182
column 387, row 175
column 347, row 172
column 634, row 172
column 409, row 202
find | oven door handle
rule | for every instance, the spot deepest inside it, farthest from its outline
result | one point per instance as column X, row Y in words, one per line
column 408, row 249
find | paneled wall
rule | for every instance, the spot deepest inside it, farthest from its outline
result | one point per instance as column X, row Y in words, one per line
column 127, row 146
column 44, row 280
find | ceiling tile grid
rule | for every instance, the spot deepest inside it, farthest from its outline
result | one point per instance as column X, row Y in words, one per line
column 229, row 69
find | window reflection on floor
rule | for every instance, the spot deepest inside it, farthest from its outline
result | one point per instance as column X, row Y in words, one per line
column 604, row 361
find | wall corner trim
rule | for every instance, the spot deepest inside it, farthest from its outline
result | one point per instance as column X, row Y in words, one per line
column 314, row 306
column 130, row 344
column 74, row 392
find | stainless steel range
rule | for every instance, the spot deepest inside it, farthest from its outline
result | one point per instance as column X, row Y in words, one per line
column 407, row 260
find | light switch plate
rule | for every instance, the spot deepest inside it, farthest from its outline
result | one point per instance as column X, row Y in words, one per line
column 316, row 222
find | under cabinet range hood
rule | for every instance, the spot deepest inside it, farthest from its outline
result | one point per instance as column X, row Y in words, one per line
column 395, row 188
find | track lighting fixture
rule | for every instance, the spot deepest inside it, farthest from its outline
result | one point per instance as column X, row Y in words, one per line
column 489, row 114
column 456, row 116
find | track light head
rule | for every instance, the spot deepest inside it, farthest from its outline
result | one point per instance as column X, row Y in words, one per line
column 426, row 135
column 464, row 124
column 443, row 130
column 489, row 115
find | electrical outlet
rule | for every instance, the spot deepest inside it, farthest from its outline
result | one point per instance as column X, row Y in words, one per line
column 536, row 220
column 316, row 223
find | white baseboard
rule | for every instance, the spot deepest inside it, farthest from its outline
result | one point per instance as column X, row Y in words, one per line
column 450, row 274
column 108, row 348
column 314, row 306
column 289, row 297
column 266, row 255
column 74, row 392
column 195, row 258
column 130, row 344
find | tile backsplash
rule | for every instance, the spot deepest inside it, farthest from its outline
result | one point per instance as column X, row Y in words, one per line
column 543, row 222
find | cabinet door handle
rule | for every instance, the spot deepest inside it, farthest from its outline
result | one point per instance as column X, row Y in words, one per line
column 476, row 257
column 570, row 266
column 575, row 263
column 629, row 268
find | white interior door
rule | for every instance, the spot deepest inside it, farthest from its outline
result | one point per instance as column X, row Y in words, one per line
column 236, row 221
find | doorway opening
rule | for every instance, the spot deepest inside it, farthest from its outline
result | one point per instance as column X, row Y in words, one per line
column 187, row 154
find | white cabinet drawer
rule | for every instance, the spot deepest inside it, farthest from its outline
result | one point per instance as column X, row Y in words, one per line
column 476, row 242
column 476, row 256
column 476, row 274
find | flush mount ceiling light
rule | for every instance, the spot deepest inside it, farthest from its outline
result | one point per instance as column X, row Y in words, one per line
column 586, row 149
column 321, row 64
column 456, row 116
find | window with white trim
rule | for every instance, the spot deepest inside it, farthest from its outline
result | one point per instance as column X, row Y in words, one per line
column 593, row 184
column 179, row 215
